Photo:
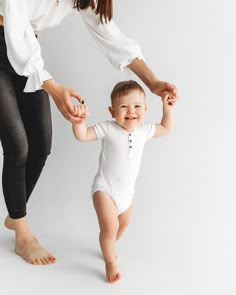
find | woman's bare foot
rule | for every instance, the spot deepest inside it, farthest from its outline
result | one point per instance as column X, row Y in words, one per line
column 31, row 251
column 112, row 272
column 26, row 244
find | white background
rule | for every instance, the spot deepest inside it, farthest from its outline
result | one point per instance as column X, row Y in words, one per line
column 182, row 236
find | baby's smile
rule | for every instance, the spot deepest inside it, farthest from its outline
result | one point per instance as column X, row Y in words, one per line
column 130, row 118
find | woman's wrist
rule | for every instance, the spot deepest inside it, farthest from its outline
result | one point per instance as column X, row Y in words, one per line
column 49, row 86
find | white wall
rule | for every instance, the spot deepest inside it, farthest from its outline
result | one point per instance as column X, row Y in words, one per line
column 185, row 199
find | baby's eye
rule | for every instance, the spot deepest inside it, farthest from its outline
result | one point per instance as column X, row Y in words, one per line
column 137, row 106
column 123, row 106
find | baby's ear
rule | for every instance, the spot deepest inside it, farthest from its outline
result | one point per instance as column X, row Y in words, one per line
column 111, row 111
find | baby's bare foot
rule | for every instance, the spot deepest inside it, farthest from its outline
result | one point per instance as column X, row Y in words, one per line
column 31, row 251
column 112, row 272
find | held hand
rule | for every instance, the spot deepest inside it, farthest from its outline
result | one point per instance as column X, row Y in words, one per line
column 81, row 111
column 161, row 87
column 167, row 100
column 62, row 98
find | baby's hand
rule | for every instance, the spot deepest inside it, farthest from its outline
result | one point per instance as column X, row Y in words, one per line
column 168, row 100
column 81, row 111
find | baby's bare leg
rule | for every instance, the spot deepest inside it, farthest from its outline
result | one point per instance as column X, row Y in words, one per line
column 26, row 245
column 109, row 224
column 124, row 220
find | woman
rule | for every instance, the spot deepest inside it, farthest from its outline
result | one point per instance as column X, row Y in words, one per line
column 25, row 119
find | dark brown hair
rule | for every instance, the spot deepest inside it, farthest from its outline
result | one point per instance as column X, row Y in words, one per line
column 103, row 7
column 125, row 87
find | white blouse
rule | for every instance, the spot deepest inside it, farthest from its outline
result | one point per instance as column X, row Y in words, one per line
column 22, row 18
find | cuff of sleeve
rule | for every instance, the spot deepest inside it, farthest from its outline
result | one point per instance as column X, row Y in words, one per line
column 123, row 66
column 35, row 81
column 96, row 129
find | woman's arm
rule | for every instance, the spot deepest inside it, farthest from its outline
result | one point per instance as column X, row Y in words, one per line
column 24, row 54
column 158, row 87
column 23, row 49
column 118, row 48
column 124, row 53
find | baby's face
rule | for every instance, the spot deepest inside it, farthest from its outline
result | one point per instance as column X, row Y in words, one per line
column 129, row 110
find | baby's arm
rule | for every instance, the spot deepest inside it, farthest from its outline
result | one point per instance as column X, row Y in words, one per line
column 80, row 130
column 167, row 121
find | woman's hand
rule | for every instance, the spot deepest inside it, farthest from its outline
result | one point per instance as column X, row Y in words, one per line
column 160, row 88
column 62, row 98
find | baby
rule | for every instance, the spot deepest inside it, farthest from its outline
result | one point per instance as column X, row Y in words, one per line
column 123, row 141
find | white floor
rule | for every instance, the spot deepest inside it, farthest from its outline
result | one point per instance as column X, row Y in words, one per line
column 156, row 255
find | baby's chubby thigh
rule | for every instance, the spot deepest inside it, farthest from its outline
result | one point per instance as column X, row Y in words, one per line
column 122, row 201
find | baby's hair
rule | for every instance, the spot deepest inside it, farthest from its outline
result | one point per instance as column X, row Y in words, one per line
column 125, row 87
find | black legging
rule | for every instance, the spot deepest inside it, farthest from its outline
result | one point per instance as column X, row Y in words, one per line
column 25, row 134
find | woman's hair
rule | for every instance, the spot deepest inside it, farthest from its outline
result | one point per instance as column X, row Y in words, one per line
column 125, row 87
column 102, row 7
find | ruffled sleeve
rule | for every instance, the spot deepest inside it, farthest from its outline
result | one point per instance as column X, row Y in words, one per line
column 23, row 49
column 119, row 49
